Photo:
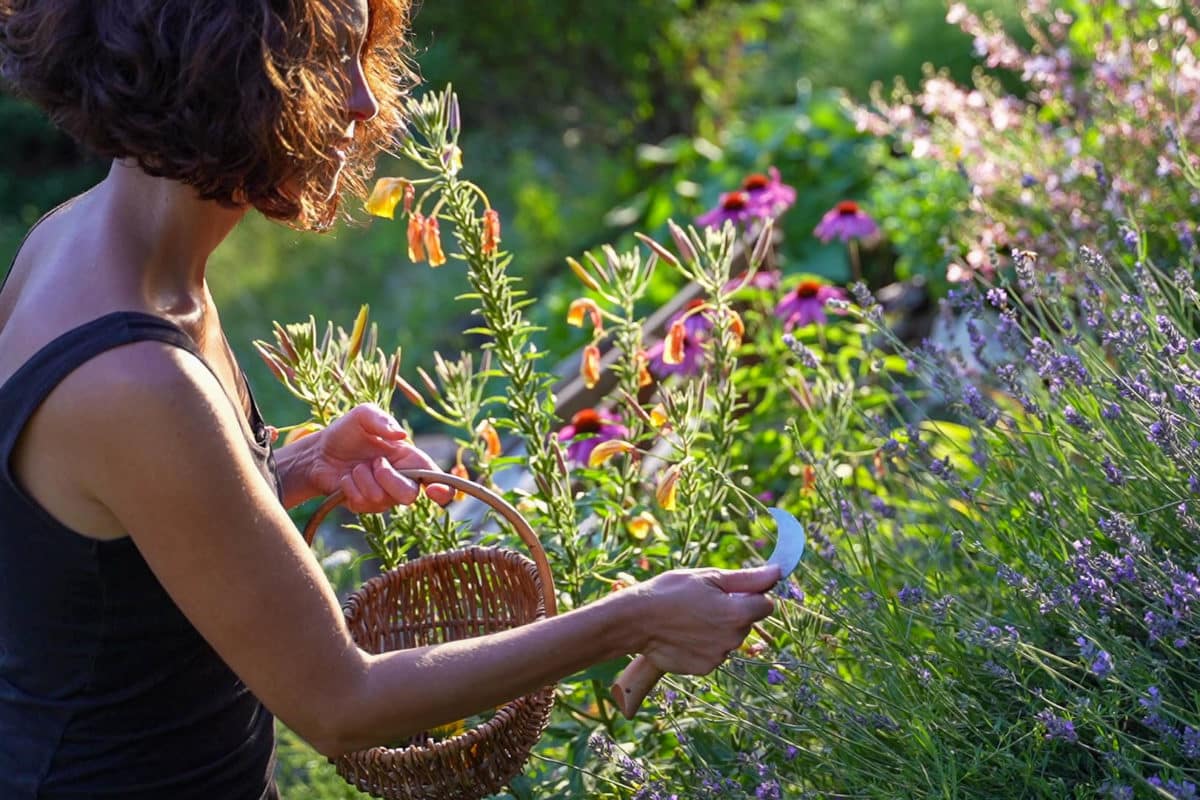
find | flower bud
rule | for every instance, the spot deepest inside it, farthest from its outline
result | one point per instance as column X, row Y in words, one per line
column 584, row 276
column 662, row 252
column 409, row 391
column 763, row 245
column 682, row 243
column 356, row 335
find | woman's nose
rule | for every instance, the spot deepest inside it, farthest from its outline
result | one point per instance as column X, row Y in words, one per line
column 362, row 104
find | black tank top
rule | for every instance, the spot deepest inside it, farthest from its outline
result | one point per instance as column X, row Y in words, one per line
column 106, row 689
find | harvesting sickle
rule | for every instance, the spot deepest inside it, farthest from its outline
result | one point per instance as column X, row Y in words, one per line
column 636, row 680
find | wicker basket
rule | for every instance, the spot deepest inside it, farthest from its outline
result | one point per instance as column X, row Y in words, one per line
column 439, row 598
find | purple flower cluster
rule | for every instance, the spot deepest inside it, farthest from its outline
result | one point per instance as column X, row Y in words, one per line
column 1057, row 728
column 1099, row 661
column 759, row 197
column 587, row 429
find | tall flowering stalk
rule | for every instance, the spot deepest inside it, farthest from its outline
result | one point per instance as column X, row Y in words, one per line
column 433, row 147
column 705, row 449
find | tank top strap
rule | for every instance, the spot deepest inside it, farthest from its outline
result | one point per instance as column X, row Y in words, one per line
column 33, row 381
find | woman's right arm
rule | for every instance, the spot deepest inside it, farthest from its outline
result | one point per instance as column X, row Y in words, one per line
column 164, row 452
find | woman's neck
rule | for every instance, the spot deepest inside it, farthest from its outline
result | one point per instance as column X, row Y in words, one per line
column 166, row 233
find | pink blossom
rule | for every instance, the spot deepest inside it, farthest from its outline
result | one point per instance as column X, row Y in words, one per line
column 587, row 429
column 845, row 221
column 805, row 305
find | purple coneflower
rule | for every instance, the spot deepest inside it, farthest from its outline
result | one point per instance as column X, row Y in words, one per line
column 805, row 304
column 587, row 429
column 768, row 194
column 845, row 221
column 734, row 207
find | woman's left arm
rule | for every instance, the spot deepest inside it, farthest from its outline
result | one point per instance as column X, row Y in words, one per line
column 359, row 453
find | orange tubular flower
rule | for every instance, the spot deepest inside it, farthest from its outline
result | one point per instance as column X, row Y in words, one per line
column 810, row 478
column 491, row 439
column 736, row 326
column 644, row 376
column 433, row 243
column 491, row 231
column 590, row 369
column 583, row 306
column 416, row 238
column 607, row 449
column 673, row 352
column 459, row 471
column 667, row 488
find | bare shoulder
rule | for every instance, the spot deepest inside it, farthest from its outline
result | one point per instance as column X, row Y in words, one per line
column 104, row 422
column 149, row 406
column 145, row 393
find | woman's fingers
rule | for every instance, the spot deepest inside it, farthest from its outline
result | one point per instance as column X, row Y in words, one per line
column 366, row 479
column 407, row 456
column 400, row 490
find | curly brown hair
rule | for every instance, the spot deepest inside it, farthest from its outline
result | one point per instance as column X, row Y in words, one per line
column 241, row 99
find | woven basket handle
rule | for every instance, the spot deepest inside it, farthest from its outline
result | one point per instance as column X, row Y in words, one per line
column 497, row 503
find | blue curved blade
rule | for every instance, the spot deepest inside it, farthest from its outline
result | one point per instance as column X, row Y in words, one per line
column 789, row 544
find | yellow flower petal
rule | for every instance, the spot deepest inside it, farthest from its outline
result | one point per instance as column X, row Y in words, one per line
column 667, row 489
column 606, row 450
column 641, row 526
column 658, row 415
column 386, row 195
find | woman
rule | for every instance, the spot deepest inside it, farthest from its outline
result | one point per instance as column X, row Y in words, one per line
column 155, row 597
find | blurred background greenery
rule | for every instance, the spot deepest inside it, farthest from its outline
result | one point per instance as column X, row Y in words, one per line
column 584, row 121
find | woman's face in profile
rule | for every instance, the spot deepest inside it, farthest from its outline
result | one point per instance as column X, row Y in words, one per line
column 360, row 103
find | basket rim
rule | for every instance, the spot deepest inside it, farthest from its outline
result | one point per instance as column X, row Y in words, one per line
column 498, row 504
